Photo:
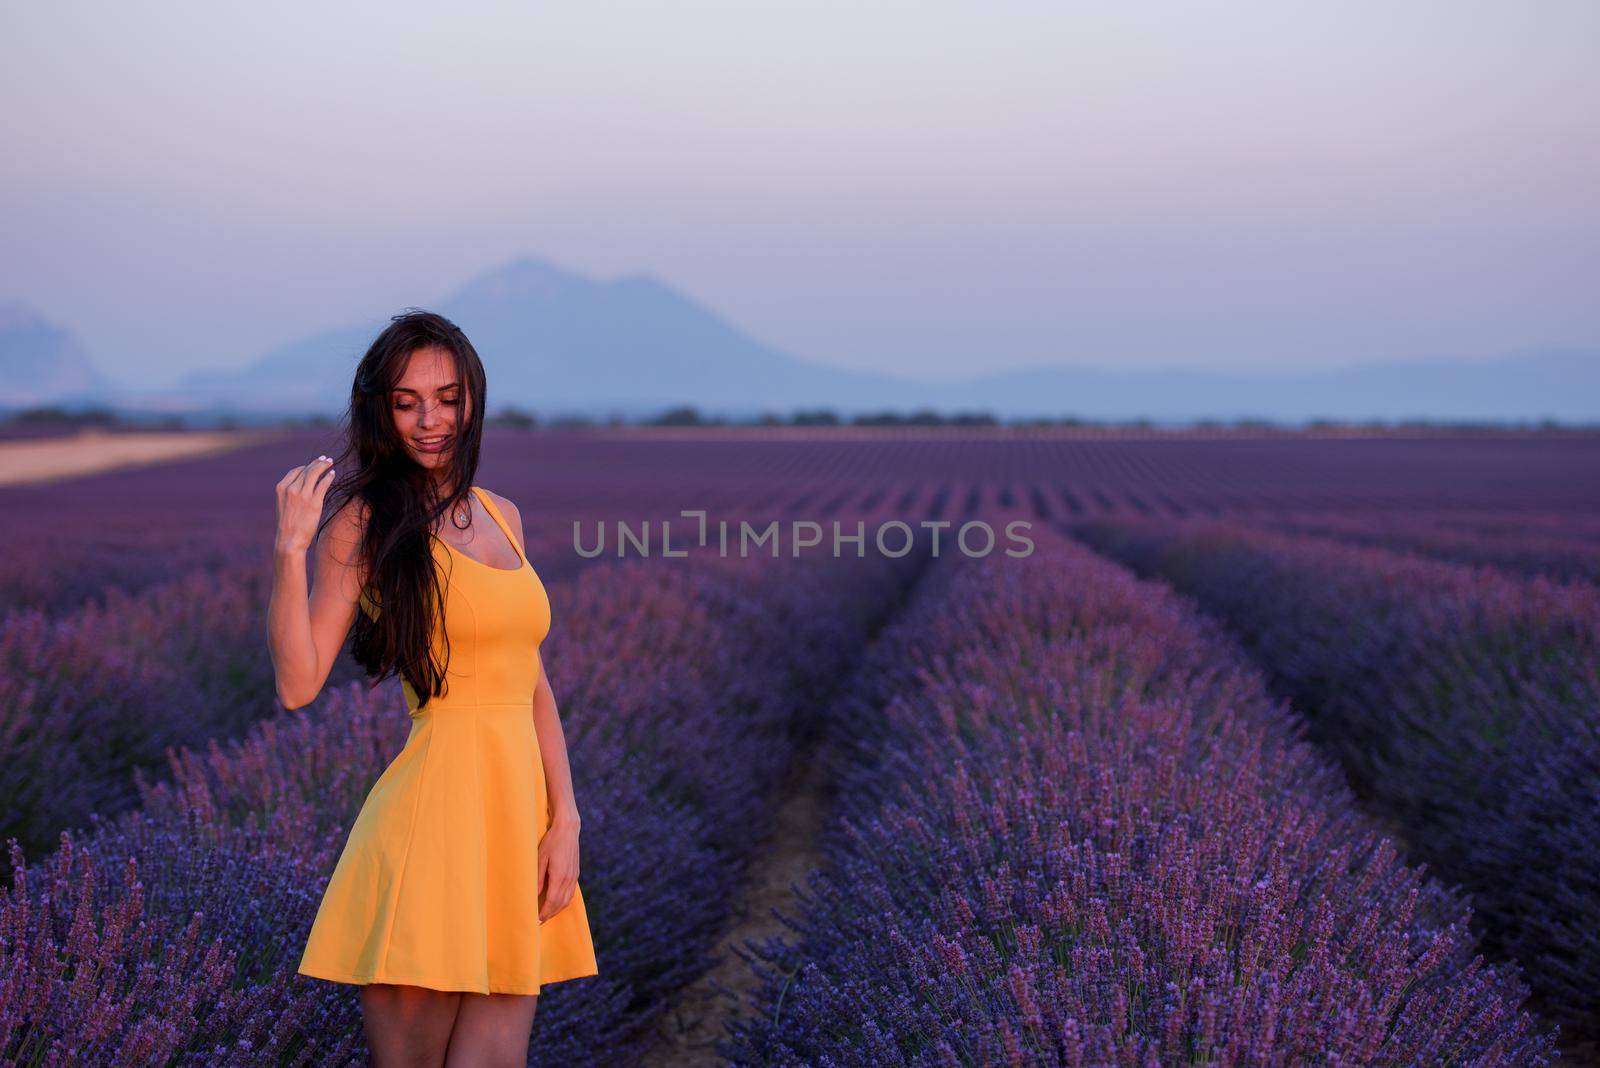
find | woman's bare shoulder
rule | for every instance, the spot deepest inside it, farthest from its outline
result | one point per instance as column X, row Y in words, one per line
column 502, row 503
column 350, row 521
column 339, row 546
column 507, row 509
column 344, row 532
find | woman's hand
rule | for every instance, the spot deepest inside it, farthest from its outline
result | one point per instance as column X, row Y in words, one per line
column 558, row 868
column 300, row 496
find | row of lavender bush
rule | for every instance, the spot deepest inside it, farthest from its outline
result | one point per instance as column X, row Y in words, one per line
column 171, row 933
column 1463, row 702
column 1074, row 828
column 91, row 696
column 1568, row 551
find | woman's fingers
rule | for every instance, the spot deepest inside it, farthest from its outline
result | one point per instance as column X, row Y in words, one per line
column 324, row 480
column 317, row 465
column 300, row 498
column 558, row 894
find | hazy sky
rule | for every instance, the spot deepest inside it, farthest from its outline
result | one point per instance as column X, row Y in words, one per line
column 922, row 187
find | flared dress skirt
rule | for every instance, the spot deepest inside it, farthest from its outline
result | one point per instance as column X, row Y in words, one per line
column 437, row 884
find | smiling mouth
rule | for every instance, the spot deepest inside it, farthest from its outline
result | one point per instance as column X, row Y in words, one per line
column 431, row 443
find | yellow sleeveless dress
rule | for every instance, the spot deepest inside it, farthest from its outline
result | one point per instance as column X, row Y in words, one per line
column 438, row 882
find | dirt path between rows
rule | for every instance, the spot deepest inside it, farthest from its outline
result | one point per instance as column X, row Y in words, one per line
column 95, row 449
column 692, row 1025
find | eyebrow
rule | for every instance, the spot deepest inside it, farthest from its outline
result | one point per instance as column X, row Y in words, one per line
column 414, row 393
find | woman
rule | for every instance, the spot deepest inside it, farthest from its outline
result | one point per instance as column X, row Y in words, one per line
column 456, row 895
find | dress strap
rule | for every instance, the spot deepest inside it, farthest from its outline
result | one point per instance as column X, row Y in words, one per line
column 499, row 520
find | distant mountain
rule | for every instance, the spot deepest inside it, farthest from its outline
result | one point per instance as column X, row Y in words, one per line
column 556, row 342
column 42, row 363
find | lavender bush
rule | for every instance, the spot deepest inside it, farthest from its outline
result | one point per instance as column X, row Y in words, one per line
column 1560, row 547
column 88, row 698
column 1073, row 828
column 159, row 943
column 1463, row 702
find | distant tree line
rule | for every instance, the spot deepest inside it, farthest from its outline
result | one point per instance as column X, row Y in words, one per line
column 52, row 418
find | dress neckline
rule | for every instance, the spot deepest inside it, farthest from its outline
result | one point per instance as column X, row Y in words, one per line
column 494, row 514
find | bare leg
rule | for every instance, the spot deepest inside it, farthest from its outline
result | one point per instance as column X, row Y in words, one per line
column 492, row 1031
column 408, row 1026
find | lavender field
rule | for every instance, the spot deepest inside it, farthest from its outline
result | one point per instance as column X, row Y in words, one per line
column 1276, row 749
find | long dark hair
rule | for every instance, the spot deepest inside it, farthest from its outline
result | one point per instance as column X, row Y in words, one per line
column 401, row 502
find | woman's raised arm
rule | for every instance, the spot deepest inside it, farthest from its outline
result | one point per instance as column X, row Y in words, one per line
column 305, row 631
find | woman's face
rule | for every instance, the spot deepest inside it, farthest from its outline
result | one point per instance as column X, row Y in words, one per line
column 427, row 406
